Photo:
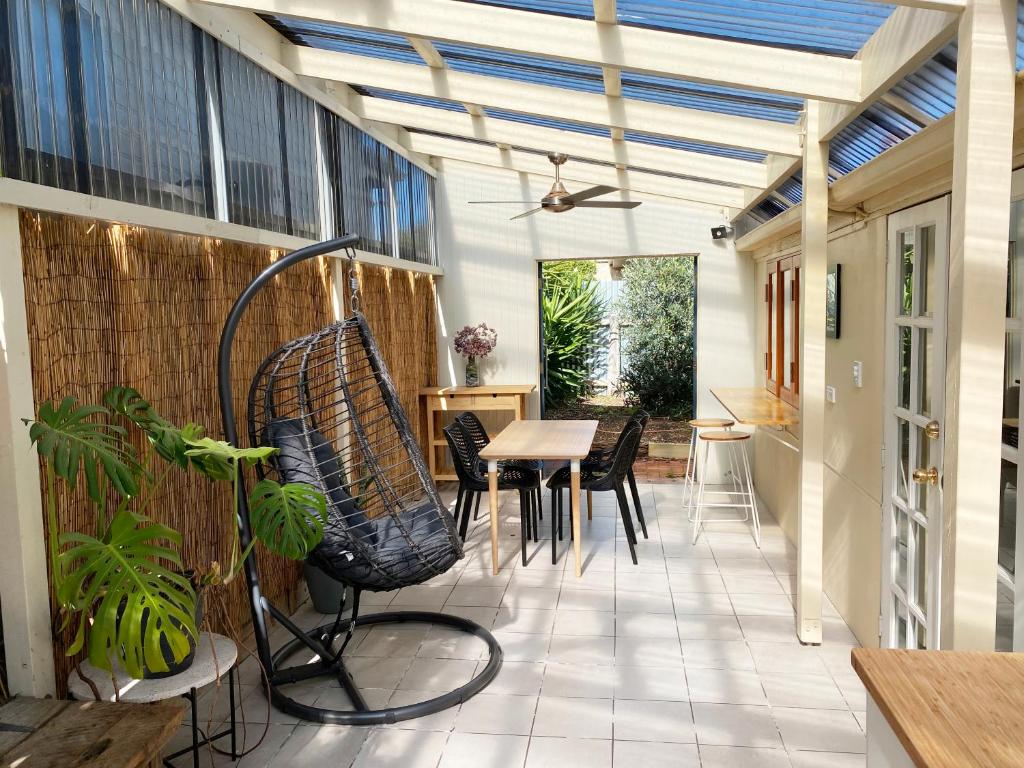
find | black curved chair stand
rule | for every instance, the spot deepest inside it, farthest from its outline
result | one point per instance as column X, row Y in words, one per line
column 321, row 640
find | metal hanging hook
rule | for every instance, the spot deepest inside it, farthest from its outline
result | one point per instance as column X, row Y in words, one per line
column 353, row 281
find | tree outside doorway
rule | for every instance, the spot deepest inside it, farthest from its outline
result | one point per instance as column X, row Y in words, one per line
column 620, row 335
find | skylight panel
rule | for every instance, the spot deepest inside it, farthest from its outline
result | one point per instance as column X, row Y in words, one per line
column 335, row 37
column 693, row 146
column 518, row 66
column 711, row 98
column 409, row 98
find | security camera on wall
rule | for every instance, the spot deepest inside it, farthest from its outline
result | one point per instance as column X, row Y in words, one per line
column 721, row 233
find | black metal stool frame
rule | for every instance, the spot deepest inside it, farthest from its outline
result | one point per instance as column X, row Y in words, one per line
column 330, row 663
column 192, row 699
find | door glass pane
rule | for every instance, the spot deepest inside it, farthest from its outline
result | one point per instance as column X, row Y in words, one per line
column 906, row 292
column 1014, row 278
column 922, row 636
column 903, row 470
column 773, row 325
column 902, row 545
column 905, row 341
column 1011, row 387
column 1004, row 618
column 901, row 627
column 920, row 571
column 1007, row 515
column 787, row 330
column 926, row 363
column 926, row 267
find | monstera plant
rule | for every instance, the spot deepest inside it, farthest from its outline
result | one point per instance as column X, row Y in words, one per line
column 123, row 586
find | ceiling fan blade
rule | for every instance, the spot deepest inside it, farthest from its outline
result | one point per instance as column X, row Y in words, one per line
column 502, row 202
column 586, row 194
column 528, row 213
column 606, row 204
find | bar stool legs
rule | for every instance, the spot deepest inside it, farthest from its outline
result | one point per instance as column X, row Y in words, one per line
column 690, row 478
column 741, row 498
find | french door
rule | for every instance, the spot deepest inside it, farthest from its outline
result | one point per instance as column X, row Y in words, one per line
column 915, row 381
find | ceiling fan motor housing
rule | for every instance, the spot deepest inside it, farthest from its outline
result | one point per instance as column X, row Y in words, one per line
column 557, row 200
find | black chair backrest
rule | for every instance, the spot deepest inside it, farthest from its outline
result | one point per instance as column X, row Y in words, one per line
column 640, row 418
column 475, row 428
column 465, row 455
column 622, row 459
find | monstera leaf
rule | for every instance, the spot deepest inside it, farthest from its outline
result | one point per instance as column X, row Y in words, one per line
column 219, row 452
column 125, row 584
column 289, row 519
column 72, row 440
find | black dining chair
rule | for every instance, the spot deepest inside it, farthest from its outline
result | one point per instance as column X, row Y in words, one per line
column 610, row 477
column 472, row 481
column 480, row 438
column 599, row 459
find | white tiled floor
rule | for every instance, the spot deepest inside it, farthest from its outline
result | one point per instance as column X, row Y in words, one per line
column 688, row 659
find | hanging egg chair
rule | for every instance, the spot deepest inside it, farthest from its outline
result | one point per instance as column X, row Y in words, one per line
column 328, row 404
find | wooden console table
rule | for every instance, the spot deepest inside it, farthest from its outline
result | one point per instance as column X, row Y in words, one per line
column 445, row 400
column 49, row 733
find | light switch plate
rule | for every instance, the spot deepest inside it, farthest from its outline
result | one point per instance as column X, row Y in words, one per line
column 858, row 373
column 830, row 394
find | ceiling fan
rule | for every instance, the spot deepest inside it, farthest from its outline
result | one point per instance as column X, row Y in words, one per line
column 558, row 200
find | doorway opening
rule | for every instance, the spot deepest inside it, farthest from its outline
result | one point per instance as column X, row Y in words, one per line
column 618, row 335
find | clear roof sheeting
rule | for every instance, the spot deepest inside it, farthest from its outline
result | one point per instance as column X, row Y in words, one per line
column 410, row 98
column 519, row 66
column 838, row 27
column 546, row 122
column 334, row 37
column 713, row 98
column 693, row 146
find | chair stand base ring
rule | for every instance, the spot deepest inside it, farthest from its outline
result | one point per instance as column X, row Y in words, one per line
column 361, row 715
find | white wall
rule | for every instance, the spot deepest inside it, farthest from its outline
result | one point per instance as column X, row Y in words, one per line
column 490, row 266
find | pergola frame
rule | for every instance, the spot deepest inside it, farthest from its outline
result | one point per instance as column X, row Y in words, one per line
column 835, row 90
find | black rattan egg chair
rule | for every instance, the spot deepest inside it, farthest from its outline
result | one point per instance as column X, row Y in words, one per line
column 327, row 402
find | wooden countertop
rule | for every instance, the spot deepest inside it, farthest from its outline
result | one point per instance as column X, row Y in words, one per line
column 545, row 440
column 483, row 389
column 950, row 709
column 757, row 407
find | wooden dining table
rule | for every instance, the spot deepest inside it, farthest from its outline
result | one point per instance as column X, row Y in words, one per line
column 540, row 440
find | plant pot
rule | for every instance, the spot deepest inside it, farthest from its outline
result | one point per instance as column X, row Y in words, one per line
column 472, row 373
column 328, row 594
column 175, row 667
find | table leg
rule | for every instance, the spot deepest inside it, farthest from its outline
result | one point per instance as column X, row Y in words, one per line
column 195, row 727
column 574, row 506
column 231, row 701
column 492, row 492
column 590, row 505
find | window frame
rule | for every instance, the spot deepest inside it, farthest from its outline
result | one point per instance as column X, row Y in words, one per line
column 775, row 325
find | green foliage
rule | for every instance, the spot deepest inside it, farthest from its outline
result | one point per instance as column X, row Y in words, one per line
column 72, row 441
column 123, row 586
column 125, row 598
column 289, row 519
column 572, row 309
column 657, row 310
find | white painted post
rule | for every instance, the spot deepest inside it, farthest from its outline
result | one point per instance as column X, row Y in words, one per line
column 814, row 232
column 979, row 222
column 24, row 586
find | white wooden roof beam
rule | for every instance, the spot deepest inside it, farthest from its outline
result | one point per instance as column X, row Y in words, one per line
column 669, row 54
column 907, row 39
column 630, row 153
column 605, row 12
column 578, row 172
column 560, row 103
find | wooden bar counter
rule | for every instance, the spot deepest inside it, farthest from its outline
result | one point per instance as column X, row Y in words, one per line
column 757, row 407
column 943, row 709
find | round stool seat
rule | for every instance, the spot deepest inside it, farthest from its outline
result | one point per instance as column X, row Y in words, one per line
column 724, row 437
column 712, row 423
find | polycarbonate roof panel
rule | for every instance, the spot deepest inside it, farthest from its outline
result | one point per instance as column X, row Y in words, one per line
column 712, row 98
column 546, row 122
column 932, row 88
column 518, row 66
column 408, row 98
column 334, row 37
column 792, row 189
column 879, row 128
column 838, row 27
column 693, row 146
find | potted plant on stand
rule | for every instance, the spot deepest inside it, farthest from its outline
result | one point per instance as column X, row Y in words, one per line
column 123, row 586
column 473, row 342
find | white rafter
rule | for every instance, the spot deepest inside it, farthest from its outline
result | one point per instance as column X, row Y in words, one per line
column 907, row 39
column 579, row 172
column 669, row 54
column 560, row 103
column 628, row 153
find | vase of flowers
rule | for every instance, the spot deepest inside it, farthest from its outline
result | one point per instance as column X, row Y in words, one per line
column 473, row 342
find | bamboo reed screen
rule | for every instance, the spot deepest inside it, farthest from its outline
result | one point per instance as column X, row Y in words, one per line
column 115, row 305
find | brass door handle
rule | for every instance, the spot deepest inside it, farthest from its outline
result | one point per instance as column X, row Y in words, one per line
column 931, row 430
column 928, row 476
